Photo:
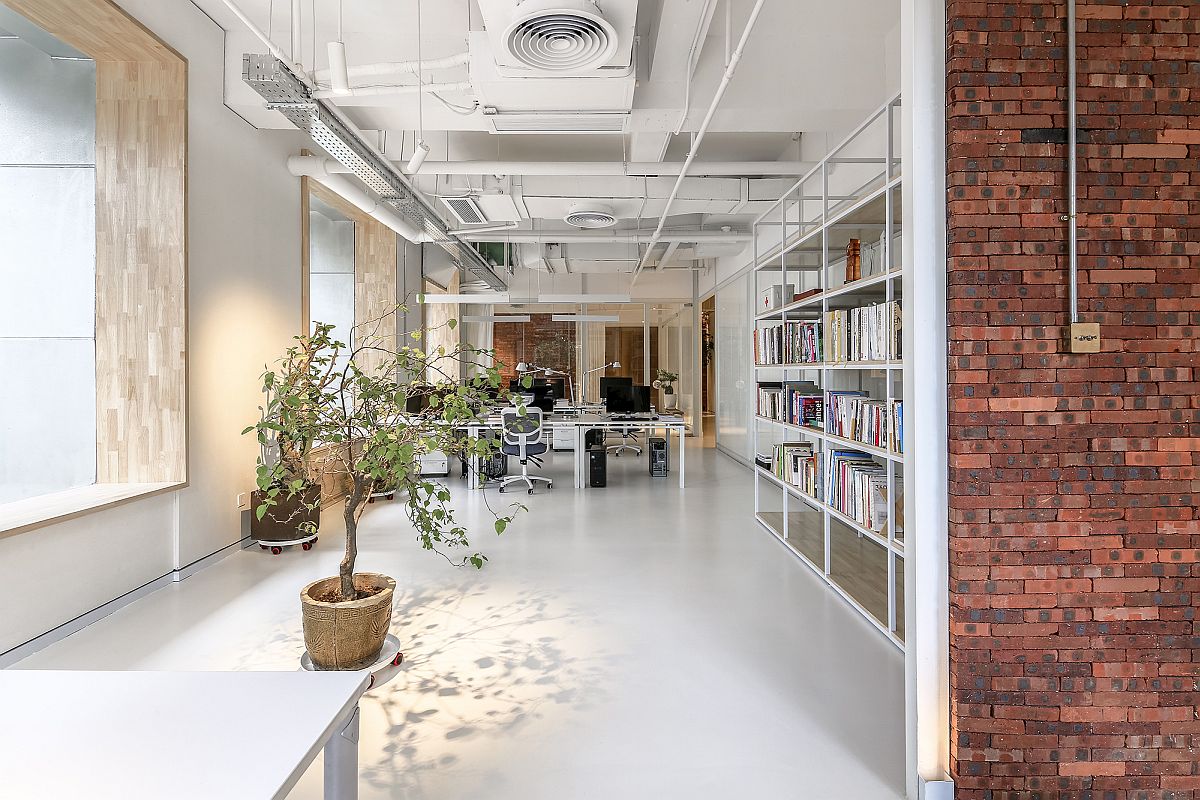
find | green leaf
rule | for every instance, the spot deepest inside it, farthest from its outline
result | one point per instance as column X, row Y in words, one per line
column 452, row 324
column 501, row 524
column 261, row 510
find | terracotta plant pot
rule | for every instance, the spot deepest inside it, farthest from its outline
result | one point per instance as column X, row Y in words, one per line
column 282, row 521
column 347, row 635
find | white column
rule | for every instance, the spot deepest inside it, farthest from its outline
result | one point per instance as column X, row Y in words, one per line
column 926, row 601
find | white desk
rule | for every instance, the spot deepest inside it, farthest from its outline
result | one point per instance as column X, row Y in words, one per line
column 581, row 424
column 177, row 735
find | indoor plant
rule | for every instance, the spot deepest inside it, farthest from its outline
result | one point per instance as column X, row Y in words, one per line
column 288, row 504
column 353, row 405
column 666, row 381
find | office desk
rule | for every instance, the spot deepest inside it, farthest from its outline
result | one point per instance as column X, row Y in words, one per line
column 178, row 735
column 581, row 424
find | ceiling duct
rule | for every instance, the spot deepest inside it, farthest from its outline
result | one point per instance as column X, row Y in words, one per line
column 284, row 92
column 591, row 217
column 560, row 36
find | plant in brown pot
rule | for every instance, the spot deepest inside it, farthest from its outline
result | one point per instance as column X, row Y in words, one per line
column 368, row 411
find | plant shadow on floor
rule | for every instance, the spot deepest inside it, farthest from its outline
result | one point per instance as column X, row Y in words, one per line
column 480, row 663
column 477, row 667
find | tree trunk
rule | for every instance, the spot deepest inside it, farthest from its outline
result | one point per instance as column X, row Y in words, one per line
column 346, row 568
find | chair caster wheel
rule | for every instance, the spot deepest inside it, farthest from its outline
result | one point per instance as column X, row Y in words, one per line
column 501, row 490
column 549, row 485
column 531, row 491
column 306, row 546
column 276, row 551
column 398, row 660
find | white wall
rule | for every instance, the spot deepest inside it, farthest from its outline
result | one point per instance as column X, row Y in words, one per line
column 243, row 308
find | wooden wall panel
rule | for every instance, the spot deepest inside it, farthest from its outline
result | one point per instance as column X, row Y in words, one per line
column 375, row 260
column 99, row 28
column 141, row 332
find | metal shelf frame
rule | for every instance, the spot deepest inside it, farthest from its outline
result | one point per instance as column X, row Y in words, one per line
column 866, row 177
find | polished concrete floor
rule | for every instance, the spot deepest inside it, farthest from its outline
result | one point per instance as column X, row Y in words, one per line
column 624, row 643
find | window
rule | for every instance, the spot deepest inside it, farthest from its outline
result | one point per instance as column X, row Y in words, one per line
column 48, row 269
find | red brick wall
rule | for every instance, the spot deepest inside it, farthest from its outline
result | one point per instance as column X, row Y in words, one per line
column 540, row 341
column 1074, row 478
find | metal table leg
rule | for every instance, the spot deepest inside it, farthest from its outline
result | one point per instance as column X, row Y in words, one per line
column 682, row 451
column 341, row 761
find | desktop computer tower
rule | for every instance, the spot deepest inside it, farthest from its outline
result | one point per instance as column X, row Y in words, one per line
column 660, row 463
column 597, row 466
column 594, row 438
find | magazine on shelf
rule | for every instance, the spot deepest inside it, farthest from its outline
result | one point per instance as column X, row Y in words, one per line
column 865, row 333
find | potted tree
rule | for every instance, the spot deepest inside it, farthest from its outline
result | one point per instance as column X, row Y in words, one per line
column 353, row 405
column 666, row 381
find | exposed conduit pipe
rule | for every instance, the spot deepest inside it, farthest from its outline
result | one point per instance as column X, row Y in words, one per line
column 706, row 15
column 734, row 59
column 399, row 67
column 270, row 45
column 361, row 199
column 631, row 169
column 364, row 91
column 1072, row 166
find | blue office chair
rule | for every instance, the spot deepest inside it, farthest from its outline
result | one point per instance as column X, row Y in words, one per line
column 522, row 436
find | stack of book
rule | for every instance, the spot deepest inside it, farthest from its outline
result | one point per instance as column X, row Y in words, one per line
column 866, row 333
column 788, row 343
column 857, row 487
column 793, row 402
column 854, row 415
column 796, row 463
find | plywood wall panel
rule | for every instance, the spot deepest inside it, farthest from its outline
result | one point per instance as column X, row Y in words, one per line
column 141, row 332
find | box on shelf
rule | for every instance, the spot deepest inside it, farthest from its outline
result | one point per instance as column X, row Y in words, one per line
column 775, row 296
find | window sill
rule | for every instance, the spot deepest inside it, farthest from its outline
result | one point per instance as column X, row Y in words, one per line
column 48, row 509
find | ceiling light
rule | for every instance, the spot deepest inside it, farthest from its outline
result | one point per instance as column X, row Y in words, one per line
column 481, row 297
column 420, row 153
column 497, row 318
column 583, row 298
column 585, row 318
column 339, row 73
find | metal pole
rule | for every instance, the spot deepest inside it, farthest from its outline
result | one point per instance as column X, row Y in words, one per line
column 1072, row 165
column 341, row 762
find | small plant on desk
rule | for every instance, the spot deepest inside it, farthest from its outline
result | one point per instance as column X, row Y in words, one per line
column 369, row 410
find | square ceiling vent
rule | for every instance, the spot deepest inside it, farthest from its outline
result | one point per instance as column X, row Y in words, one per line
column 465, row 209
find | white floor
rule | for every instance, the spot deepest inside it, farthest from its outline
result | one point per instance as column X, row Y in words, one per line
column 624, row 643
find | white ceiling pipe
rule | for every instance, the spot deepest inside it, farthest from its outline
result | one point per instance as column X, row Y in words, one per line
column 357, row 197
column 632, row 169
column 368, row 91
column 734, row 59
column 601, row 237
column 270, row 45
column 399, row 67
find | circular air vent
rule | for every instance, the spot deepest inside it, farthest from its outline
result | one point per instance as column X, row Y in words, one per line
column 560, row 35
column 591, row 217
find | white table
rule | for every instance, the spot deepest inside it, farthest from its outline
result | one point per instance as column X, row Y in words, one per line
column 177, row 735
column 581, row 424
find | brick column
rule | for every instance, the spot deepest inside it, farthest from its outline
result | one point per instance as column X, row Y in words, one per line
column 1073, row 479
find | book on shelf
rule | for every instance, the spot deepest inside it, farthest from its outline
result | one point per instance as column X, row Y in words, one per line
column 857, row 487
column 865, row 333
column 793, row 402
column 853, row 260
column 855, row 415
column 788, row 343
column 795, row 463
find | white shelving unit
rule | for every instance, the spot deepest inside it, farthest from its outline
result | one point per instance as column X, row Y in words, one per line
column 854, row 193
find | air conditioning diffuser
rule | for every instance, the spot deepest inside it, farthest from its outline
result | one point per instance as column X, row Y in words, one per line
column 466, row 210
column 591, row 216
column 560, row 36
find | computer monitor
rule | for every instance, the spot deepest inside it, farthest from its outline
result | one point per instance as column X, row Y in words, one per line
column 607, row 383
column 628, row 399
column 559, row 387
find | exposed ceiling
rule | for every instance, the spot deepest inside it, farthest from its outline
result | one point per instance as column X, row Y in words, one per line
column 812, row 69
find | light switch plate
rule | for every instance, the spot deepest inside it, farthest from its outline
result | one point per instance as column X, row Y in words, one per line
column 1085, row 337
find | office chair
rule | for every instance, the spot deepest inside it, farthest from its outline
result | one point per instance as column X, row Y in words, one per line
column 522, row 437
column 627, row 435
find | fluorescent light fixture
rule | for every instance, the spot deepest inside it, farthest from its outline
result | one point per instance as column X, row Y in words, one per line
column 585, row 318
column 481, row 297
column 583, row 298
column 497, row 318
